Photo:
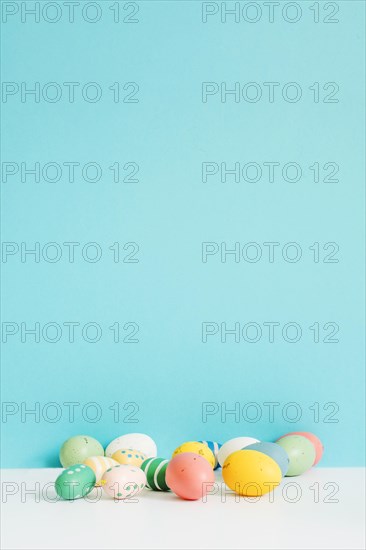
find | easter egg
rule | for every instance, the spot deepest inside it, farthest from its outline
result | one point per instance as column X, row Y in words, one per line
column 99, row 464
column 129, row 456
column 141, row 442
column 189, row 476
column 273, row 450
column 198, row 448
column 233, row 445
column 214, row 448
column 319, row 447
column 301, row 453
column 123, row 481
column 251, row 473
column 75, row 482
column 76, row 449
column 155, row 470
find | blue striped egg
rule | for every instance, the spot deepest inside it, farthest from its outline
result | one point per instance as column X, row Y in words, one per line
column 214, row 447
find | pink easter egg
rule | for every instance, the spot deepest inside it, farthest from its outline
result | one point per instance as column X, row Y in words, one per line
column 123, row 481
column 189, row 476
column 319, row 447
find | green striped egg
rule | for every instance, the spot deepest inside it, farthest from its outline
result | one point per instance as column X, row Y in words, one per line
column 155, row 470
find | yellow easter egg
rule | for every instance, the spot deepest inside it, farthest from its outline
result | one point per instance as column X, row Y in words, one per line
column 197, row 448
column 129, row 456
column 99, row 464
column 251, row 473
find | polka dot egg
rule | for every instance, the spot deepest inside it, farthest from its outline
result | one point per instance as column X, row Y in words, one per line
column 129, row 456
column 75, row 482
column 123, row 481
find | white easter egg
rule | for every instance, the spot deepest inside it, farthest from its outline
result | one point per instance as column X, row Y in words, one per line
column 140, row 442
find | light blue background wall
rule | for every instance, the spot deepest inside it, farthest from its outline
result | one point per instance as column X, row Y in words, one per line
column 169, row 212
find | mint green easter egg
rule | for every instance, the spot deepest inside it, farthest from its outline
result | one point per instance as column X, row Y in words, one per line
column 75, row 482
column 301, row 453
column 78, row 448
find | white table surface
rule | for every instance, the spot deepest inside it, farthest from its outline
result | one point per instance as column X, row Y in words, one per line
column 161, row 520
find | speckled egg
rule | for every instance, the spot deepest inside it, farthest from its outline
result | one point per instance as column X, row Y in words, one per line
column 141, row 442
column 198, row 448
column 75, row 482
column 233, row 445
column 99, row 464
column 301, row 453
column 319, row 447
column 123, row 481
column 251, row 473
column 129, row 456
column 273, row 450
column 155, row 470
column 78, row 448
column 214, row 448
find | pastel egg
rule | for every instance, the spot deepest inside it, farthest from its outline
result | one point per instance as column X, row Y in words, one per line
column 214, row 448
column 78, row 448
column 190, row 476
column 251, row 473
column 233, row 445
column 301, row 453
column 75, row 482
column 99, row 464
column 142, row 442
column 155, row 470
column 198, row 448
column 273, row 450
column 319, row 447
column 123, row 481
column 129, row 456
